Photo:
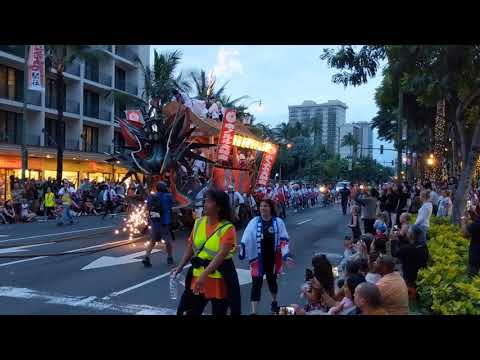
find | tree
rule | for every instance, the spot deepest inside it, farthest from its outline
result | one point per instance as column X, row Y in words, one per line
column 432, row 74
column 57, row 57
column 161, row 80
column 350, row 140
column 203, row 88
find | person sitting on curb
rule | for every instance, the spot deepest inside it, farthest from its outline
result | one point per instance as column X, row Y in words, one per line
column 369, row 300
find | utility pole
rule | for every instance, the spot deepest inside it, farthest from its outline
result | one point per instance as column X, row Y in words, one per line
column 24, row 117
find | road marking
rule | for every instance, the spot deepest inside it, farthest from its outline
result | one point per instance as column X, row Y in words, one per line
column 243, row 278
column 90, row 302
column 55, row 234
column 303, row 222
column 19, row 248
column 146, row 282
column 70, row 251
column 106, row 261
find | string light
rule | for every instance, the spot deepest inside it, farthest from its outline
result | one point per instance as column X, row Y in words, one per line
column 439, row 143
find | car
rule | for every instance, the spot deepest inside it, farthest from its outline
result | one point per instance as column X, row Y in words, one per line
column 340, row 185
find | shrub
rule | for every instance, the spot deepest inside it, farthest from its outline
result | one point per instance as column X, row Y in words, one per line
column 444, row 287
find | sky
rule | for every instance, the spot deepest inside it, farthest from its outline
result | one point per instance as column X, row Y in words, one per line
column 279, row 76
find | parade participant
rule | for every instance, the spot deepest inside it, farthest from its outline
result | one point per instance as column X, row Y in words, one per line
column 344, row 194
column 108, row 196
column 210, row 248
column 67, row 203
column 265, row 245
column 281, row 199
column 160, row 206
column 235, row 200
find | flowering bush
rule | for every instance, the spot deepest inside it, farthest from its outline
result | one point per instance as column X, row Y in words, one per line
column 444, row 286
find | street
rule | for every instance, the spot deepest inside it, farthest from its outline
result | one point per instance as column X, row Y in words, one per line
column 107, row 277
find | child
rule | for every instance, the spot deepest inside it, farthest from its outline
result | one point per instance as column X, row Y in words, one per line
column 347, row 301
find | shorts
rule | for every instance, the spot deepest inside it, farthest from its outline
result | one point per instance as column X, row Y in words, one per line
column 160, row 232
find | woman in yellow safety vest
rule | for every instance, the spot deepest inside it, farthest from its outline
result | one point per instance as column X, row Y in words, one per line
column 212, row 276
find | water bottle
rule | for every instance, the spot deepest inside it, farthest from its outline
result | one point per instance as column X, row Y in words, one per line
column 173, row 287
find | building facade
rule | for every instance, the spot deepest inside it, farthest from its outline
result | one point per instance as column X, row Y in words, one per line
column 326, row 118
column 366, row 139
column 348, row 151
column 90, row 130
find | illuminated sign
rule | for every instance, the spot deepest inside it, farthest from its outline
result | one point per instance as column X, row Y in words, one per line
column 249, row 143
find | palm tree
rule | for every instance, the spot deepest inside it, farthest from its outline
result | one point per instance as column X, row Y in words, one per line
column 350, row 140
column 202, row 86
column 160, row 81
column 283, row 133
column 57, row 57
column 262, row 130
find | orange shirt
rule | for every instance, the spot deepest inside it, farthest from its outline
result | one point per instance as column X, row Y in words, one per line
column 394, row 294
column 215, row 288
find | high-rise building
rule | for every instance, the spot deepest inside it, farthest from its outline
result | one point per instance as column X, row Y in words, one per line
column 366, row 139
column 327, row 119
column 348, row 151
column 90, row 130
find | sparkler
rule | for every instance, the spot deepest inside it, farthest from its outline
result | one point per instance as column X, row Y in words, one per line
column 136, row 222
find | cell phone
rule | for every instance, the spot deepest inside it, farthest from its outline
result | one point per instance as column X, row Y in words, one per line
column 286, row 310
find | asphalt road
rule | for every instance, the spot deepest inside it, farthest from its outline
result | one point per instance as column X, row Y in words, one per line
column 108, row 278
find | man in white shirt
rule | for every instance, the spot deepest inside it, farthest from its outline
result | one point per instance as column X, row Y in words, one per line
column 213, row 111
column 424, row 213
column 66, row 187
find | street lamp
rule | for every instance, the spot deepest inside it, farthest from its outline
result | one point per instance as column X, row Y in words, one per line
column 259, row 105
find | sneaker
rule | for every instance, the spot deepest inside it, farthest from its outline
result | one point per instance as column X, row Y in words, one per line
column 146, row 262
column 170, row 260
column 274, row 308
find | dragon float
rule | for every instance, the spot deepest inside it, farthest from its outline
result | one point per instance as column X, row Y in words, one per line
column 167, row 142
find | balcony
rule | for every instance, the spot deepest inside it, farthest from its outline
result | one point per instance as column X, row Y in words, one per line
column 105, row 115
column 125, row 52
column 33, row 140
column 99, row 77
column 104, row 149
column 9, row 138
column 69, row 106
column 73, row 68
column 93, row 113
column 73, row 145
column 17, row 50
column 126, row 86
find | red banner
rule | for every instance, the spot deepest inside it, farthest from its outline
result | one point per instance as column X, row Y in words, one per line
column 266, row 167
column 36, row 67
column 225, row 140
column 134, row 116
column 241, row 180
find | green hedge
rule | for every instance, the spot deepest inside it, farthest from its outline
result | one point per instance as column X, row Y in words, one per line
column 444, row 287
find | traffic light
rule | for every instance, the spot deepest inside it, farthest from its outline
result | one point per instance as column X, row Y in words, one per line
column 393, row 163
column 381, row 149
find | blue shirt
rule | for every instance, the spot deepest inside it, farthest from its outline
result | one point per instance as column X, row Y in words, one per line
column 166, row 202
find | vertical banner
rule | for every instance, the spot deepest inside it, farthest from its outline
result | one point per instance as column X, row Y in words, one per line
column 36, row 68
column 225, row 140
column 266, row 166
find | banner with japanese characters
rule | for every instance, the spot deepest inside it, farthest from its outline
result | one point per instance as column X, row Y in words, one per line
column 266, row 166
column 36, row 68
column 227, row 133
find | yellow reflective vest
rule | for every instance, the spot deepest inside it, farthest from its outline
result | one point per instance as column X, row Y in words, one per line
column 49, row 199
column 212, row 247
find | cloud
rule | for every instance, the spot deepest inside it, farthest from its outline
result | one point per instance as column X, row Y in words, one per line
column 228, row 63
